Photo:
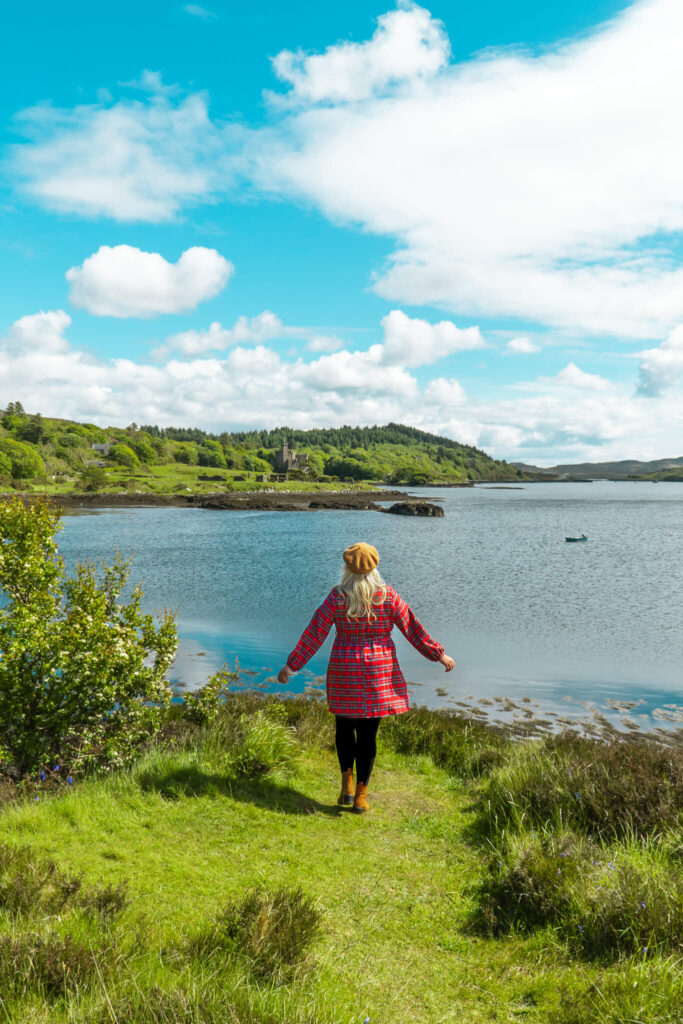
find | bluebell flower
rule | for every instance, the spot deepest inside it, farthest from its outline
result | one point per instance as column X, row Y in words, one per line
column 56, row 767
column 563, row 855
column 580, row 927
column 70, row 780
column 42, row 775
column 644, row 949
column 577, row 796
column 37, row 798
column 643, row 904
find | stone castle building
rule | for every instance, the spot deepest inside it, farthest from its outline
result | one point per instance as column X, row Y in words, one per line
column 286, row 459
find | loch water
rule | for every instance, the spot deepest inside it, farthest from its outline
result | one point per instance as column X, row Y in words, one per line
column 526, row 615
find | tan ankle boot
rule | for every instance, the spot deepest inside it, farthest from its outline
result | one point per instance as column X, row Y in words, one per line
column 360, row 803
column 346, row 796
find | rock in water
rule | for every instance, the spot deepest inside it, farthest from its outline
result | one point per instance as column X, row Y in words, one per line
column 415, row 508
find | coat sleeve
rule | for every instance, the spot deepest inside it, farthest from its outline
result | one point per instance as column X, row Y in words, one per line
column 314, row 635
column 413, row 630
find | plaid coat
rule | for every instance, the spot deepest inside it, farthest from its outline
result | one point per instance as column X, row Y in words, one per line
column 364, row 679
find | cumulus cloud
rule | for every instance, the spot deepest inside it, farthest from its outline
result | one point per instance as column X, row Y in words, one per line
column 41, row 332
column 444, row 393
column 130, row 160
column 216, row 337
column 522, row 346
column 510, row 181
column 413, row 342
column 123, row 281
column 572, row 377
column 569, row 229
column 569, row 417
column 408, row 43
column 662, row 367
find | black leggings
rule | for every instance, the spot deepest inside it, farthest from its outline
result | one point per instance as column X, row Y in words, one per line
column 356, row 740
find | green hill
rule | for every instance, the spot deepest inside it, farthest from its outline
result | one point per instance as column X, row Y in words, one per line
column 57, row 455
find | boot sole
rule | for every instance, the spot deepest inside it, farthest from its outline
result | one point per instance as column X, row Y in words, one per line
column 345, row 801
column 360, row 810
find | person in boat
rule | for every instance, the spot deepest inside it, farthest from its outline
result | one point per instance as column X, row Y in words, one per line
column 364, row 680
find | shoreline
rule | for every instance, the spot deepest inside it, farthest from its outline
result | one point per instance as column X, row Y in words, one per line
column 261, row 501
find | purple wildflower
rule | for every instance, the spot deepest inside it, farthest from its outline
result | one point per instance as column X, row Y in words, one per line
column 56, row 767
column 643, row 904
column 42, row 775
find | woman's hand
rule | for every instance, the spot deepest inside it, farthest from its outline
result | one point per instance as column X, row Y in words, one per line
column 447, row 662
column 283, row 675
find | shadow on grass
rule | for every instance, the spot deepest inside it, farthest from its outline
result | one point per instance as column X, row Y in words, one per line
column 261, row 792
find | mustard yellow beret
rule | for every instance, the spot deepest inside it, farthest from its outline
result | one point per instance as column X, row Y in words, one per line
column 361, row 558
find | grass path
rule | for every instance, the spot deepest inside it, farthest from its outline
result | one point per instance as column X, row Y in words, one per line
column 394, row 885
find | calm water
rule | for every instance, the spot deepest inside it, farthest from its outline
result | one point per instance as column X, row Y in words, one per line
column 523, row 613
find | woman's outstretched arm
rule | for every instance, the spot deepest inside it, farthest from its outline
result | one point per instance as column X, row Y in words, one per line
column 413, row 630
column 312, row 637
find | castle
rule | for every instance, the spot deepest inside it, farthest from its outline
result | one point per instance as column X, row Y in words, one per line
column 286, row 460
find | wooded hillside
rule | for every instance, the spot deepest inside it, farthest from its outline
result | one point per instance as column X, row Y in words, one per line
column 38, row 450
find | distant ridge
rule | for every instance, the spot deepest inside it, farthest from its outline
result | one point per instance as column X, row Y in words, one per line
column 627, row 469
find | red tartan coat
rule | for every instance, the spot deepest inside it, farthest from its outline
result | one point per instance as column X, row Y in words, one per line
column 364, row 679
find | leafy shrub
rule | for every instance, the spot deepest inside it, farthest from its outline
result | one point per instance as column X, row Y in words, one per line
column 53, row 965
column 25, row 462
column 603, row 908
column 463, row 747
column 613, row 788
column 82, row 676
column 271, row 931
column 206, row 702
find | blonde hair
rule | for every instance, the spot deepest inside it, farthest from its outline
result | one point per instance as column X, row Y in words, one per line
column 362, row 591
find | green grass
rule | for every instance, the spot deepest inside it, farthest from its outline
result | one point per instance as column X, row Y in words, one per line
column 394, row 901
column 180, row 479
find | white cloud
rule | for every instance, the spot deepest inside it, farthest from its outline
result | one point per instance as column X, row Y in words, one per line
column 216, row 337
column 572, row 377
column 42, row 332
column 132, row 161
column 662, row 367
column 199, row 12
column 444, row 393
column 413, row 342
column 522, row 346
column 325, row 343
column 512, row 182
column 573, row 416
column 408, row 43
column 123, row 281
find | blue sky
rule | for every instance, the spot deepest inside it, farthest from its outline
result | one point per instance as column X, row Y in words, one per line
column 465, row 217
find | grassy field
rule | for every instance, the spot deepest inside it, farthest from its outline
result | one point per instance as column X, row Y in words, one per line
column 492, row 880
column 179, row 479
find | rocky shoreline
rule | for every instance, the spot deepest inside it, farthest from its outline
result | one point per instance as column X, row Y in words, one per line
column 260, row 501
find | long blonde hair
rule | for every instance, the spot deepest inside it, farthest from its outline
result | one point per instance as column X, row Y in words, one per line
column 362, row 592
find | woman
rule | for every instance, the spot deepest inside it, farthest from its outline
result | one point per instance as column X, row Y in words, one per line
column 364, row 679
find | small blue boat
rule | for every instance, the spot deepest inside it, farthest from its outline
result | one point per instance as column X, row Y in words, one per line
column 575, row 540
